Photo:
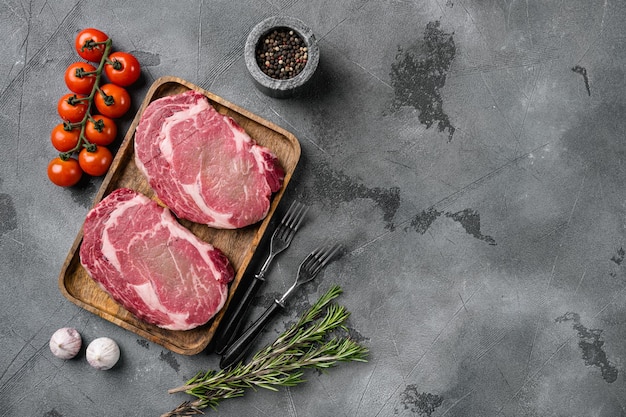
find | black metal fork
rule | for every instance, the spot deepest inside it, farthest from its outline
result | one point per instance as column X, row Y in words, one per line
column 307, row 271
column 281, row 239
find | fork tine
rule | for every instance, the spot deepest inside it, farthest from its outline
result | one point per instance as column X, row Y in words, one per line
column 310, row 259
column 289, row 226
column 326, row 256
column 280, row 231
column 319, row 258
column 295, row 215
column 283, row 227
column 290, row 213
column 299, row 217
column 329, row 254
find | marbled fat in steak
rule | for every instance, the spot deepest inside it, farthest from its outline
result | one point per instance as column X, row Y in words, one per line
column 203, row 165
column 157, row 269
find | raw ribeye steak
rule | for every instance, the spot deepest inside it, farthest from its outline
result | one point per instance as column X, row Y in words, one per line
column 157, row 269
column 203, row 165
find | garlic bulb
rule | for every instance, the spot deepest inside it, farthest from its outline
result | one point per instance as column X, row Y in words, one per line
column 65, row 343
column 103, row 353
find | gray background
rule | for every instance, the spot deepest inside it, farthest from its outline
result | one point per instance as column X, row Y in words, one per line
column 476, row 181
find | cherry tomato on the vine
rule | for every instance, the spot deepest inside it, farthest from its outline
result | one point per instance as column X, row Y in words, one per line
column 72, row 107
column 123, row 70
column 76, row 81
column 64, row 173
column 101, row 130
column 88, row 44
column 64, row 139
column 112, row 101
column 95, row 162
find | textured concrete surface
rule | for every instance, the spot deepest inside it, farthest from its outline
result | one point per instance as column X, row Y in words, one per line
column 470, row 153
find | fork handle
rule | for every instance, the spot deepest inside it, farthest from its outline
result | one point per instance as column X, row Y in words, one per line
column 236, row 352
column 233, row 319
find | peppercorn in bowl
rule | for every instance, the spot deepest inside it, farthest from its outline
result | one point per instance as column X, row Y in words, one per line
column 281, row 55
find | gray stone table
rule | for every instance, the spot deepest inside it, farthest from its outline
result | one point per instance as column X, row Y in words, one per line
column 470, row 154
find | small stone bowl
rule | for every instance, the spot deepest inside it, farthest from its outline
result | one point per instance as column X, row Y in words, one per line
column 273, row 87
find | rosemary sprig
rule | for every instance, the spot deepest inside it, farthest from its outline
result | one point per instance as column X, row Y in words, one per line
column 305, row 345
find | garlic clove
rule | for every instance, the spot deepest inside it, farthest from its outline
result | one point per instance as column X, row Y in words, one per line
column 103, row 353
column 65, row 343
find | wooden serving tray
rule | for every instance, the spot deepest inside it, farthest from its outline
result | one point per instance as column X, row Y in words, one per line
column 238, row 245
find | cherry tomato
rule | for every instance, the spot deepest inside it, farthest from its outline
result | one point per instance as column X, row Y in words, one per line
column 96, row 162
column 88, row 44
column 64, row 173
column 72, row 108
column 64, row 139
column 123, row 70
column 101, row 130
column 112, row 101
column 78, row 83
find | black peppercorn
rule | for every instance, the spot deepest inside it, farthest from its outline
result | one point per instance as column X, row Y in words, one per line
column 280, row 55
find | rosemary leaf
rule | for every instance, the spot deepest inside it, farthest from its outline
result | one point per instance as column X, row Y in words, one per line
column 305, row 345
